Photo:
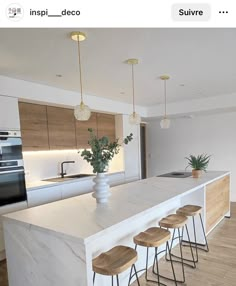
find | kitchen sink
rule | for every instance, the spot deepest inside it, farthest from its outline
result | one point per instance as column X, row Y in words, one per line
column 176, row 175
column 79, row 176
column 67, row 178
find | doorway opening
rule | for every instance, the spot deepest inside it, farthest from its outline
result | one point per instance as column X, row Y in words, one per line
column 143, row 150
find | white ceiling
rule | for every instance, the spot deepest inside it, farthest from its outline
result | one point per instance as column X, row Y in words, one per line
column 202, row 59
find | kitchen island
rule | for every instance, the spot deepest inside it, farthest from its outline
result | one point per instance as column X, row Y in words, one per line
column 54, row 244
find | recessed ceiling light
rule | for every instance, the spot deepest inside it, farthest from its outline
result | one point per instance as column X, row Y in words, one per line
column 58, row 75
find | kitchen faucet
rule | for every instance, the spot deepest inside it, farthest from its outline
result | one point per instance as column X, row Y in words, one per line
column 62, row 169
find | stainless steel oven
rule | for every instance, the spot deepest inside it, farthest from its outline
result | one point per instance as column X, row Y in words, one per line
column 12, row 176
column 11, row 146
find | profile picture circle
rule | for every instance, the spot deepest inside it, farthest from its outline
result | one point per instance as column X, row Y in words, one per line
column 14, row 12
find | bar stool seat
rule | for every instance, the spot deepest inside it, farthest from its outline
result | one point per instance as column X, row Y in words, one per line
column 115, row 261
column 189, row 210
column 173, row 221
column 152, row 237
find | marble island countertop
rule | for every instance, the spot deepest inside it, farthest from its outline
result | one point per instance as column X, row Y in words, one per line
column 81, row 218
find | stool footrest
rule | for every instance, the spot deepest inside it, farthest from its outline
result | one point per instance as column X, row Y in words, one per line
column 184, row 259
column 167, row 278
column 200, row 246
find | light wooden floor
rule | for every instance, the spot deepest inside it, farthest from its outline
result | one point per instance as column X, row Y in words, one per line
column 215, row 268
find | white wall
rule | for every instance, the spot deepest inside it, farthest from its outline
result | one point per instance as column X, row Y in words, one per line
column 212, row 134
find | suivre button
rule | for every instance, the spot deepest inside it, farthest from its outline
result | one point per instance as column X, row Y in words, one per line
column 191, row 12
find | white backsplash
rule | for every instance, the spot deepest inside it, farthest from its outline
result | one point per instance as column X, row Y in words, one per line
column 47, row 164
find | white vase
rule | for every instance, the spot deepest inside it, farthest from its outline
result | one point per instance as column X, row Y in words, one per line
column 101, row 188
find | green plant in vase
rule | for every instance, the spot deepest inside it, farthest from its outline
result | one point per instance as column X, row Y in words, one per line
column 101, row 153
column 198, row 164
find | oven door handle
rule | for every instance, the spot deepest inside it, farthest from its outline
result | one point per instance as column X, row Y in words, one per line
column 11, row 172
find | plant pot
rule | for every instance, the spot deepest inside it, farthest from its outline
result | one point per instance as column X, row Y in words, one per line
column 101, row 188
column 196, row 173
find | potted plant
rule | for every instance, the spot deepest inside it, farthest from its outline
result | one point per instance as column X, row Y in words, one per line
column 101, row 153
column 198, row 163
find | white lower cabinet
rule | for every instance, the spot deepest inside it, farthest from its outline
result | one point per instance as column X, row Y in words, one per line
column 42, row 196
column 76, row 188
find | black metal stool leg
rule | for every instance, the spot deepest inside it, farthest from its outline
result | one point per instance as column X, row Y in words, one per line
column 207, row 248
column 172, row 239
column 94, row 274
column 190, row 244
column 171, row 262
column 157, row 266
column 117, row 280
column 130, row 275
column 136, row 274
column 181, row 254
column 195, row 238
column 146, row 265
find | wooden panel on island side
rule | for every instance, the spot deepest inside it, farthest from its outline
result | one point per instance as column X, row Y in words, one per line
column 61, row 128
column 34, row 130
column 217, row 201
column 82, row 134
column 106, row 125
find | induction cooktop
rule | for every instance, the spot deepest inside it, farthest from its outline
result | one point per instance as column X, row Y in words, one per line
column 176, row 175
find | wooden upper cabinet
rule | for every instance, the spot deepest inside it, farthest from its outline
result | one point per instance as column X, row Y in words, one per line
column 106, row 126
column 61, row 128
column 82, row 134
column 34, row 130
column 55, row 128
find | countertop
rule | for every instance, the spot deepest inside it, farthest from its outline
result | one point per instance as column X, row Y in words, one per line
column 33, row 185
column 82, row 218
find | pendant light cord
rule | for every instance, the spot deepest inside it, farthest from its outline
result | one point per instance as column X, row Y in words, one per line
column 165, row 96
column 133, row 87
column 80, row 72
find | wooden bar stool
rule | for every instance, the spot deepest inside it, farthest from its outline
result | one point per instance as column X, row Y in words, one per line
column 193, row 210
column 177, row 222
column 115, row 261
column 154, row 237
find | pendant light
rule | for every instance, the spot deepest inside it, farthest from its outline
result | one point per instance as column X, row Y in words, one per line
column 81, row 112
column 165, row 122
column 134, row 118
